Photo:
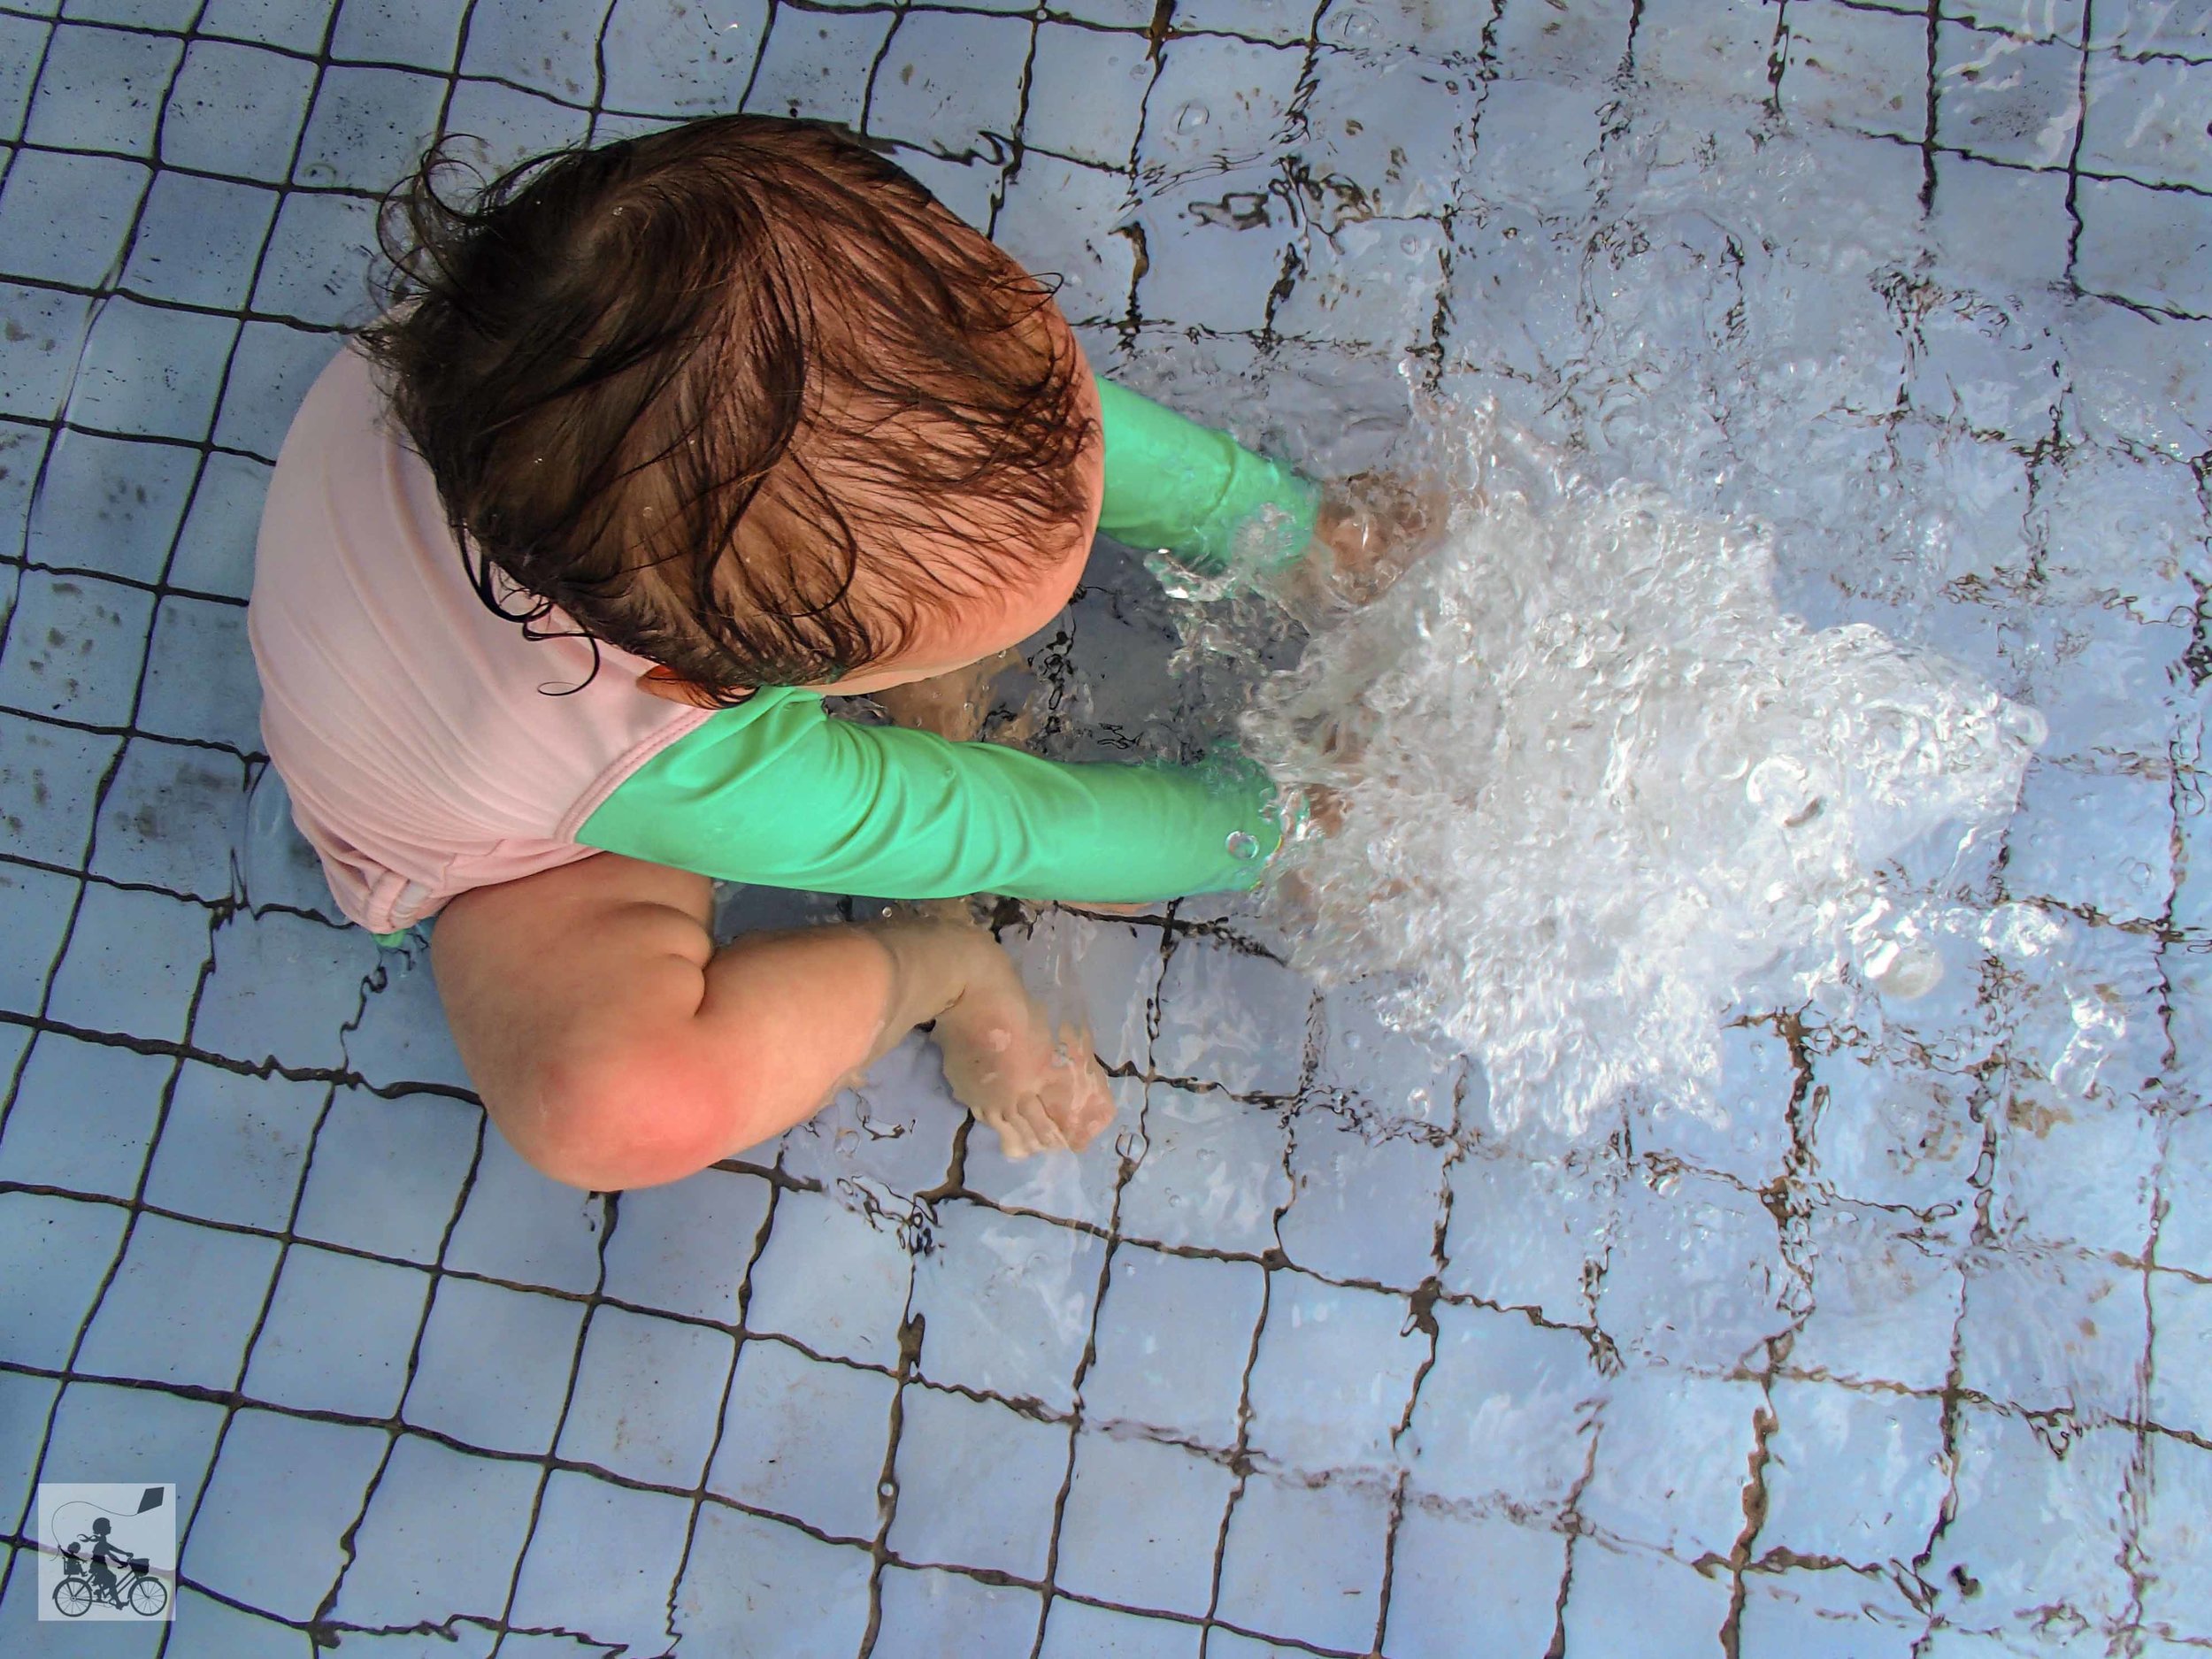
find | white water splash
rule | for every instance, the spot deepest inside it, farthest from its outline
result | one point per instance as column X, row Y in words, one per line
column 1597, row 787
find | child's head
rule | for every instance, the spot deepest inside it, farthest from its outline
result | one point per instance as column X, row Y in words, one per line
column 741, row 398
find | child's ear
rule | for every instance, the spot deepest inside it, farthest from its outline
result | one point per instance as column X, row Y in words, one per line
column 671, row 686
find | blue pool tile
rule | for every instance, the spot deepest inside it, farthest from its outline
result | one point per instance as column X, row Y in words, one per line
column 236, row 111
column 102, row 90
column 815, row 65
column 833, row 1279
column 1074, row 1630
column 48, row 777
column 171, row 16
column 1438, row 1609
column 215, row 548
column 65, row 217
column 1212, row 1173
column 109, row 504
column 151, row 370
column 284, row 1491
column 22, row 453
column 199, row 240
column 551, row 47
column 806, row 1438
column 1306, row 1561
column 2085, row 1351
column 746, row 1575
column 27, row 1404
column 41, row 334
column 1618, row 1600
column 601, row 1562
column 684, row 1246
column 1008, row 1300
column 83, row 1117
column 403, row 1037
column 1236, row 1020
column 1655, row 1424
column 2031, row 1518
column 952, row 1447
column 367, row 127
column 74, row 648
column 892, row 1134
column 2185, row 1240
column 1169, row 1561
column 275, row 867
column 52, row 1639
column 928, row 1613
column 1362, row 1205
column 646, row 1396
column 519, row 1225
column 2145, row 245
column 495, row 1366
column 236, row 1634
column 1086, row 94
column 233, row 1147
column 387, row 1174
column 680, row 58
column 283, row 986
column 107, row 1432
column 183, row 1305
column 167, row 820
column 200, row 680
column 58, row 1251
column 1334, row 1372
column 509, row 125
column 35, row 909
column 421, row 33
column 275, row 365
column 928, row 91
column 133, row 963
column 274, row 22
column 1505, row 1410
column 1523, row 1230
column 22, row 44
column 1852, row 1476
column 441, row 1538
column 1174, row 1336
column 338, row 1334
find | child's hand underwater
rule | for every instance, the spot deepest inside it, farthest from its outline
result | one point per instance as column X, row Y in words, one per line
column 1370, row 530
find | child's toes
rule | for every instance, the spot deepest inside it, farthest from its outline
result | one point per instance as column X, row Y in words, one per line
column 1038, row 1122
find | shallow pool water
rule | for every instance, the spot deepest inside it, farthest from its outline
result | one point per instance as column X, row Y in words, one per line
column 1811, row 1258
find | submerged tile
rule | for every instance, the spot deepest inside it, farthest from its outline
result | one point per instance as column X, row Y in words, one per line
column 1006, row 1303
column 805, row 1438
column 951, row 1448
column 441, row 1537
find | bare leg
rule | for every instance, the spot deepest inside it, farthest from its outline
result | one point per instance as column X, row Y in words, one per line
column 615, row 1047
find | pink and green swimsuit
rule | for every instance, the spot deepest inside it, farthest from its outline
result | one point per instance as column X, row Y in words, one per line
column 423, row 759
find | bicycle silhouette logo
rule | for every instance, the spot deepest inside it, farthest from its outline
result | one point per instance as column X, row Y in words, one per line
column 106, row 1552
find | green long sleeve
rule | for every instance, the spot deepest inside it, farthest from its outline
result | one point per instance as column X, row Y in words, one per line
column 1172, row 483
column 778, row 794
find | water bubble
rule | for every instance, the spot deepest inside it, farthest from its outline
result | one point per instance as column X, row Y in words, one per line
column 1242, row 844
column 1904, row 969
column 2024, row 725
column 1191, row 117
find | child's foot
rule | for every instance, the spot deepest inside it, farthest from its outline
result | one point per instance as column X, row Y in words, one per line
column 1040, row 1091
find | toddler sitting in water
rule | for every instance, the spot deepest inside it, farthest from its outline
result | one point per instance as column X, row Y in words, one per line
column 657, row 443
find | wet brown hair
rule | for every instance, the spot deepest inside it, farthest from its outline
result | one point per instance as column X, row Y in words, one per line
column 710, row 390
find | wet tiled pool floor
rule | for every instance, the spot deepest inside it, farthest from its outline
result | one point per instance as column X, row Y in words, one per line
column 1307, row 1358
